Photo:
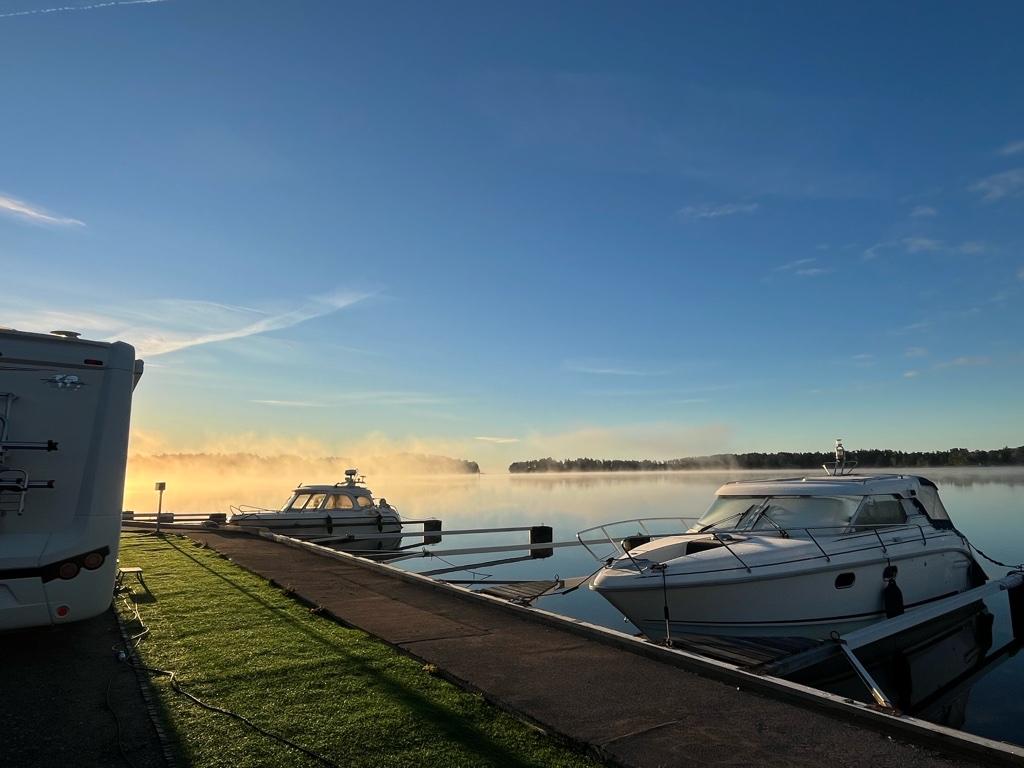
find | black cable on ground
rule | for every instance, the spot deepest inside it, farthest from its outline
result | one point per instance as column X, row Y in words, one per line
column 117, row 722
column 176, row 686
column 132, row 643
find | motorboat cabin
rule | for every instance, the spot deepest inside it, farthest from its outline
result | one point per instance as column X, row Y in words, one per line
column 315, row 511
column 799, row 557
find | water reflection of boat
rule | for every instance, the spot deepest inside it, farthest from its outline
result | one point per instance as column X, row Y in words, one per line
column 927, row 671
column 797, row 557
column 345, row 512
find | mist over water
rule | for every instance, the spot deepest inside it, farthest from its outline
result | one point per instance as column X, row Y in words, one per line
column 987, row 505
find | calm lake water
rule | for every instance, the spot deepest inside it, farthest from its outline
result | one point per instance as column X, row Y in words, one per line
column 987, row 505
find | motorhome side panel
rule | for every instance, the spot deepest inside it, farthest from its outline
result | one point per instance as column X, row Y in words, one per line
column 58, row 555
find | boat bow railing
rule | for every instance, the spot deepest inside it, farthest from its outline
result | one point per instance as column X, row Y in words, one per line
column 831, row 540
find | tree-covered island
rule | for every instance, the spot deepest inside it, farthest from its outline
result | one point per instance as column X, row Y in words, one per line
column 876, row 458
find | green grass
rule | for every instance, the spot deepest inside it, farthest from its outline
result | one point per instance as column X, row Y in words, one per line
column 240, row 644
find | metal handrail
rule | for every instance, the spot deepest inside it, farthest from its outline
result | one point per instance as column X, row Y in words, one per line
column 641, row 521
column 840, row 532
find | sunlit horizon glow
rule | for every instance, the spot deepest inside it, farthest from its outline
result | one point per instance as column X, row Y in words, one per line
column 498, row 233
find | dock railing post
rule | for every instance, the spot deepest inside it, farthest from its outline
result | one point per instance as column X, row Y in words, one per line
column 1015, row 595
column 431, row 525
column 541, row 534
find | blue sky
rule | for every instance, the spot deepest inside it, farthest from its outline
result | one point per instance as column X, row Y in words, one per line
column 571, row 229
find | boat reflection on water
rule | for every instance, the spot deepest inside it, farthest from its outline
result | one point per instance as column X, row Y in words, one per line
column 928, row 671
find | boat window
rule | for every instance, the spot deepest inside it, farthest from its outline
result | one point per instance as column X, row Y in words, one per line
column 315, row 500
column 808, row 512
column 727, row 511
column 880, row 510
column 364, row 501
column 298, row 501
column 339, row 501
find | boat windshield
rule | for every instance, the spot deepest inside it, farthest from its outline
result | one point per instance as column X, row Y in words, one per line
column 767, row 512
column 304, row 501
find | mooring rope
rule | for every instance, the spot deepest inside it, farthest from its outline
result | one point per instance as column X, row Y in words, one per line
column 1017, row 567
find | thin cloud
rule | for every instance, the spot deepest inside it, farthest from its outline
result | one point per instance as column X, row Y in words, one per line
column 1013, row 148
column 289, row 403
column 996, row 187
column 714, row 211
column 802, row 268
column 915, row 352
column 924, row 212
column 972, row 248
column 913, row 327
column 1020, row 273
column 792, row 265
column 69, row 8
column 915, row 245
column 921, row 245
column 911, row 374
column 874, row 251
column 496, row 440
column 604, row 369
column 965, row 361
column 33, row 213
column 162, row 326
column 386, row 397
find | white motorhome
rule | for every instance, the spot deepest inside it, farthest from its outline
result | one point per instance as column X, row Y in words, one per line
column 65, row 405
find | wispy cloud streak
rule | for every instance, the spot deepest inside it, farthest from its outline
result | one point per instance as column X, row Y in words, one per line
column 70, row 8
column 605, row 369
column 27, row 212
column 163, row 326
column 1013, row 148
column 996, row 187
column 714, row 211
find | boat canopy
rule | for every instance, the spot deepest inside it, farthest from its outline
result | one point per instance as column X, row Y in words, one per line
column 924, row 491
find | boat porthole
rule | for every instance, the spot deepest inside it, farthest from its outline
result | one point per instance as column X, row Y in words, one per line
column 845, row 580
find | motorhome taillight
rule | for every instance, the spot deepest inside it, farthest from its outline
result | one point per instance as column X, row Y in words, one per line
column 93, row 560
column 62, row 610
column 68, row 570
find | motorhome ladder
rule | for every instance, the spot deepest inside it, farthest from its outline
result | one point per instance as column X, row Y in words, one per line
column 14, row 482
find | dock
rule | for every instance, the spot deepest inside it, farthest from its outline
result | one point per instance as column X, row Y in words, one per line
column 628, row 701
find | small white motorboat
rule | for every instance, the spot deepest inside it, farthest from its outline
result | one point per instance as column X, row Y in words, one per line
column 341, row 511
column 795, row 557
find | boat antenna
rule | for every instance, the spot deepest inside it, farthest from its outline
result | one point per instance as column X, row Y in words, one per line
column 840, row 466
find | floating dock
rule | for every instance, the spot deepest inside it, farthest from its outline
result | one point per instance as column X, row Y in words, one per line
column 629, row 701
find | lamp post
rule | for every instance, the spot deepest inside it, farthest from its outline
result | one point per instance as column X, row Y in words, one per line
column 160, row 488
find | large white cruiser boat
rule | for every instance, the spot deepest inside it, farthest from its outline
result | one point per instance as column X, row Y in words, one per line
column 341, row 510
column 794, row 557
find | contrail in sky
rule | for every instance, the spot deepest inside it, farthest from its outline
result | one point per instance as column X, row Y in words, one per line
column 67, row 8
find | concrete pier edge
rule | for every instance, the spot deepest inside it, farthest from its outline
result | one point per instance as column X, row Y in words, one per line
column 945, row 740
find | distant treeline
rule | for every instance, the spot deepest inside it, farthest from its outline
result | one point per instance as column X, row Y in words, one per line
column 872, row 457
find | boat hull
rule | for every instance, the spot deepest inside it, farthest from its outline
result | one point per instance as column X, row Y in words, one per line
column 807, row 602
column 322, row 525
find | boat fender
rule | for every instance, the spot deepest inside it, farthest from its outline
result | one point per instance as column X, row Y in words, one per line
column 892, row 596
column 380, row 523
column 329, row 524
